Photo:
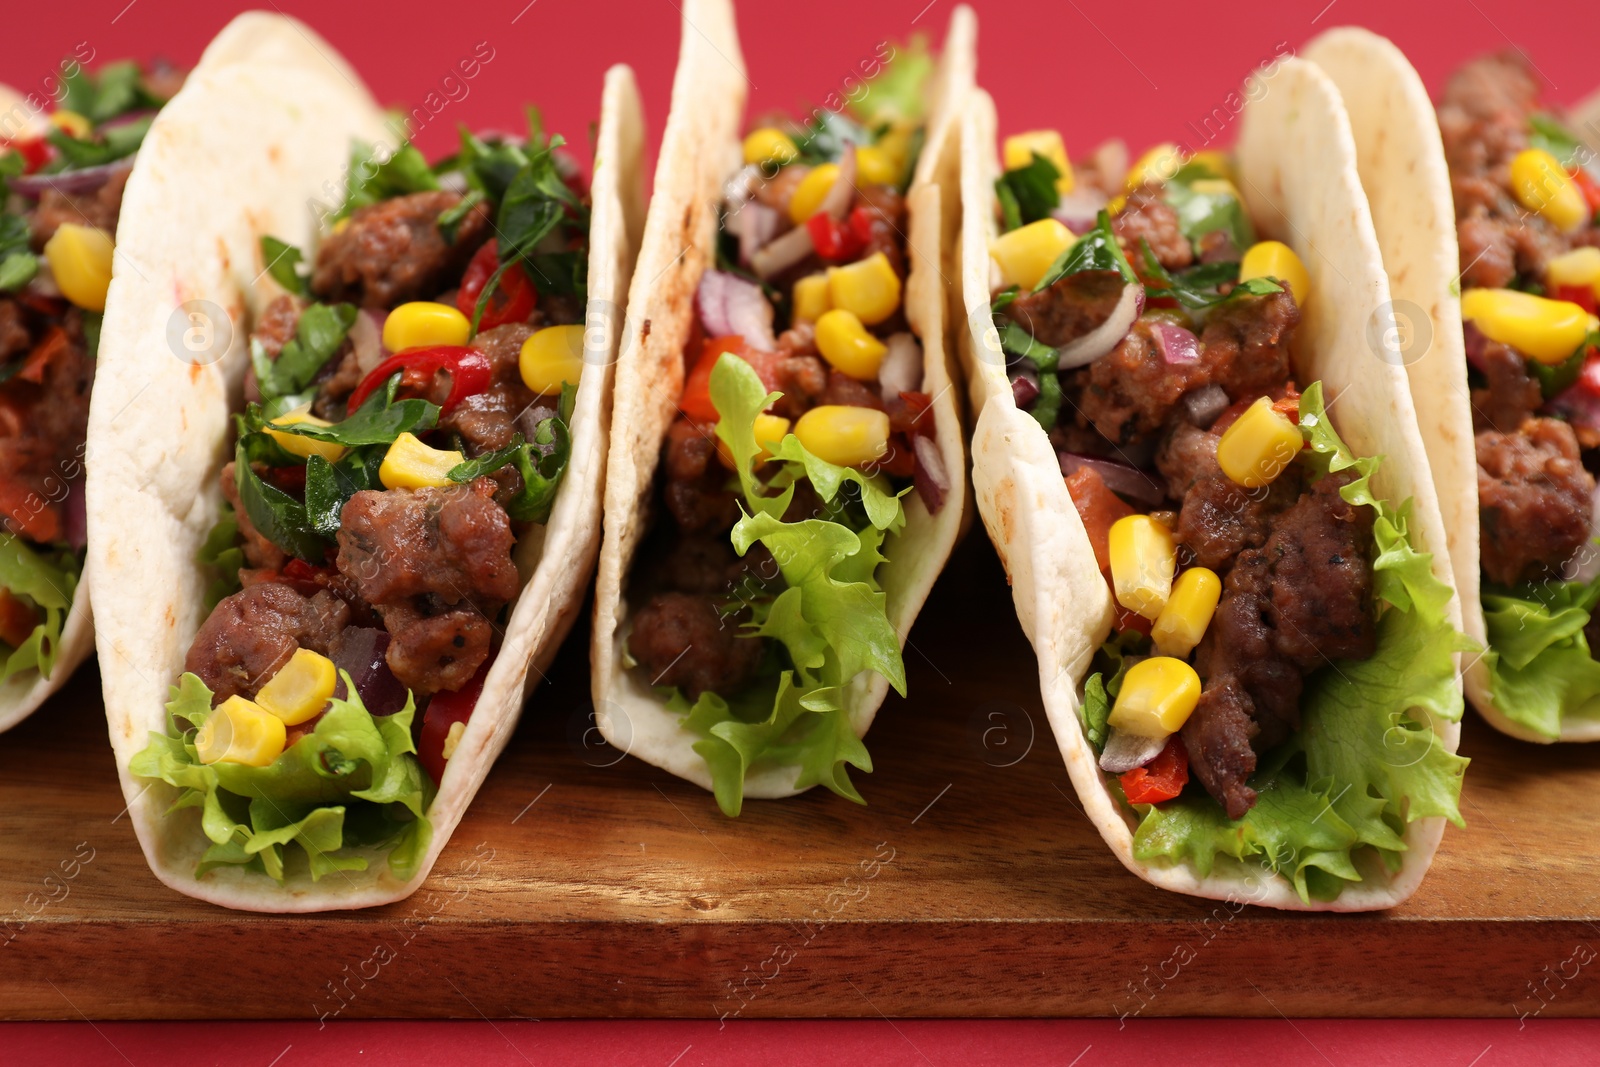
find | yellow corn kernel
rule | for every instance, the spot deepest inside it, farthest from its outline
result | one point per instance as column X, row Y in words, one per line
column 1219, row 164
column 1258, row 446
column 842, row 434
column 305, row 447
column 422, row 323
column 301, row 688
column 551, row 357
column 896, row 144
column 1026, row 253
column 769, row 145
column 1020, row 149
column 808, row 195
column 80, row 261
column 1542, row 329
column 1542, row 185
column 1579, row 268
column 410, row 464
column 874, row 166
column 238, row 731
column 868, row 287
column 1157, row 697
column 1182, row 623
column 1155, row 166
column 1274, row 259
column 846, row 344
column 769, row 429
column 72, row 124
column 341, row 225
column 1143, row 557
column 811, row 298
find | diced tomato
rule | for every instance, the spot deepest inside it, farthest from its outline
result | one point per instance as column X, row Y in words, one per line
column 901, row 459
column 54, row 343
column 835, row 241
column 1589, row 377
column 1582, row 295
column 17, row 619
column 696, row 400
column 27, row 513
column 1098, row 507
column 908, row 413
column 1161, row 779
column 35, row 152
column 1127, row 620
column 1589, row 187
column 445, row 709
column 515, row 296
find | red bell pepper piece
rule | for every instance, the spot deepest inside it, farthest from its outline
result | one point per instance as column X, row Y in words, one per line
column 835, row 241
column 1582, row 295
column 35, row 152
column 1162, row 778
column 1589, row 187
column 445, row 709
column 515, row 295
column 469, row 372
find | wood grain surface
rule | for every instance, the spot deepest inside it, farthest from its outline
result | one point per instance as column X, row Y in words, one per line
column 585, row 883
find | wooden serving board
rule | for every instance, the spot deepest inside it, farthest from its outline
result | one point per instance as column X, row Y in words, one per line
column 583, row 883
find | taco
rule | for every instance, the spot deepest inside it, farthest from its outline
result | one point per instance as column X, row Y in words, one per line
column 1503, row 282
column 65, row 157
column 348, row 470
column 1211, row 501
column 787, row 479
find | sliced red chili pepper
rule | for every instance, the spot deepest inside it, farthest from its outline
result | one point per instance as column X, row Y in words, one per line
column 469, row 372
column 1582, row 295
column 445, row 709
column 835, row 241
column 514, row 298
column 35, row 152
column 1162, row 778
column 1590, row 189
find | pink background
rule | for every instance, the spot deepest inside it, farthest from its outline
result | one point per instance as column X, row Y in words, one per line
column 1141, row 71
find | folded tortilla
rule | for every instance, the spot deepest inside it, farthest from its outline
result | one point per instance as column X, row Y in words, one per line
column 1402, row 164
column 699, row 151
column 242, row 152
column 251, row 38
column 1297, row 174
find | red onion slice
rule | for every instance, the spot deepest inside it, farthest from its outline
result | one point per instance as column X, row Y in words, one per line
column 1104, row 337
column 729, row 304
column 931, row 478
column 901, row 369
column 68, row 182
column 843, row 193
column 366, row 337
column 1177, row 345
column 75, row 516
column 360, row 651
column 1025, row 388
column 1201, row 407
column 1125, row 751
column 1079, row 209
column 778, row 256
column 757, row 225
column 1120, row 478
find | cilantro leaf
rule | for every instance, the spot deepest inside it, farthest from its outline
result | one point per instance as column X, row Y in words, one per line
column 1031, row 189
column 283, row 262
column 1095, row 250
column 317, row 336
column 542, row 463
column 372, row 182
column 18, row 264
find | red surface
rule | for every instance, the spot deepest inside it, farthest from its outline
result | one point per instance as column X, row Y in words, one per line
column 1144, row 72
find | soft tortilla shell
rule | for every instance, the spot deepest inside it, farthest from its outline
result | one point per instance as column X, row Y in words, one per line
column 1298, row 175
column 239, row 153
column 1403, row 168
column 700, row 150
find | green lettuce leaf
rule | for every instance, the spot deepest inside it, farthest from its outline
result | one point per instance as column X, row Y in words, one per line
column 352, row 782
column 830, row 621
column 222, row 551
column 1365, row 761
column 48, row 584
column 895, row 93
column 1541, row 670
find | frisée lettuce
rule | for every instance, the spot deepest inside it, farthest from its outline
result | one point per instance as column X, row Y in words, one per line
column 1541, row 670
column 1366, row 761
column 830, row 621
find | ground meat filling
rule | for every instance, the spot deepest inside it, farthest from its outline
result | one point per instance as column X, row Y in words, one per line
column 488, row 420
column 44, row 416
column 394, row 251
column 1510, row 395
column 251, row 634
column 1069, row 307
column 99, row 208
column 436, row 566
column 1148, row 217
column 683, row 640
column 1533, row 501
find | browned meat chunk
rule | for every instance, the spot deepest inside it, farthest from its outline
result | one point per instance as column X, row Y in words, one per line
column 682, row 640
column 44, row 414
column 1533, row 501
column 1245, row 344
column 1148, row 217
column 259, row 552
column 99, row 209
column 1219, row 518
column 1322, row 577
column 488, row 420
column 1069, row 307
column 252, row 633
column 15, row 340
column 1510, row 395
column 436, row 565
column 393, row 251
column 1488, row 258
column 886, row 214
column 1217, row 738
column 696, row 491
